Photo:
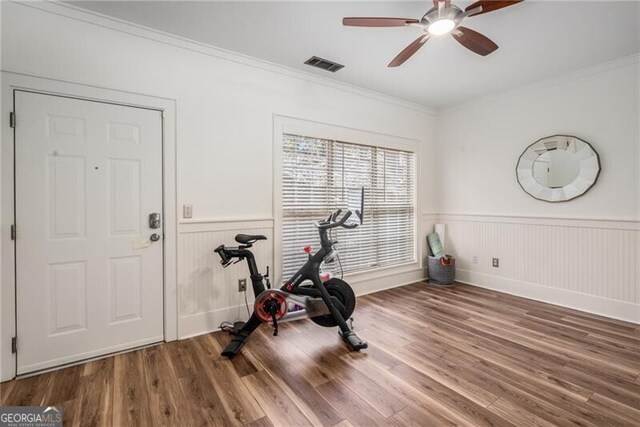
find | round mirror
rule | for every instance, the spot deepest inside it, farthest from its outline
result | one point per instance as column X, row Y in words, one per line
column 558, row 168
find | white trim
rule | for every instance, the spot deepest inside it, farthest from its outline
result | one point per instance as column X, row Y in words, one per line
column 205, row 225
column 582, row 222
column 625, row 310
column 429, row 216
column 209, row 321
column 367, row 284
column 238, row 220
column 615, row 309
column 382, row 272
column 136, row 30
column 11, row 81
column 278, row 131
column 336, row 132
column 286, row 124
column 204, row 323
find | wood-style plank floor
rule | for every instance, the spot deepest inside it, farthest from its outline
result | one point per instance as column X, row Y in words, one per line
column 458, row 356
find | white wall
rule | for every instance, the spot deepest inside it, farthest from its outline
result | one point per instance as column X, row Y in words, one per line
column 583, row 253
column 479, row 145
column 225, row 112
column 225, row 109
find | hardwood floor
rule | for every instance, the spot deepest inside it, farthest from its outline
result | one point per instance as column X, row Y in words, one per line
column 457, row 356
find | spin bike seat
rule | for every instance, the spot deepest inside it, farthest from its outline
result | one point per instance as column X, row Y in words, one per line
column 247, row 239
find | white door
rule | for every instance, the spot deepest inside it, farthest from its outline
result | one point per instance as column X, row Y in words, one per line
column 89, row 277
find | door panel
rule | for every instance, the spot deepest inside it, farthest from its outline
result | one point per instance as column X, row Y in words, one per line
column 125, row 285
column 67, row 196
column 88, row 174
column 124, row 191
column 67, row 297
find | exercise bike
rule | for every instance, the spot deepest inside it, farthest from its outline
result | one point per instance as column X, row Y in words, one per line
column 328, row 303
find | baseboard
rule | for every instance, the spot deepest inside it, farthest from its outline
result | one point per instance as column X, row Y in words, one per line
column 203, row 323
column 207, row 322
column 368, row 285
column 615, row 309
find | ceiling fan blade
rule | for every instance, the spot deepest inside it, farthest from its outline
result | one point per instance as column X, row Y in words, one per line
column 378, row 22
column 474, row 41
column 409, row 51
column 490, row 5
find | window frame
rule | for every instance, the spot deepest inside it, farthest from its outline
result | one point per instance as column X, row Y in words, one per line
column 289, row 125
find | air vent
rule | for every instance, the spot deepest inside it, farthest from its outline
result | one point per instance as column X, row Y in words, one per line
column 323, row 64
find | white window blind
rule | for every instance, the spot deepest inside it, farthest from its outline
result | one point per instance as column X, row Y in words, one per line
column 316, row 174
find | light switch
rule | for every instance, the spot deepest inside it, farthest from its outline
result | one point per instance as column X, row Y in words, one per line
column 187, row 211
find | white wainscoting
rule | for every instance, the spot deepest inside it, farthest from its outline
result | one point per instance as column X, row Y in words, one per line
column 587, row 264
column 207, row 293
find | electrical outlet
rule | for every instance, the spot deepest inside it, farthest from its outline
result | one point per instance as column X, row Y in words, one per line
column 474, row 259
column 187, row 211
column 242, row 285
column 496, row 262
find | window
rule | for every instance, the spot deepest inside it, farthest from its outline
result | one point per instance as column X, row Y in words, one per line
column 315, row 176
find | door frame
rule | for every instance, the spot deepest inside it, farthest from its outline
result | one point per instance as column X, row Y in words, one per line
column 15, row 81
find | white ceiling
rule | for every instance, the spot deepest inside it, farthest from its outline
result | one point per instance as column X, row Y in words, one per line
column 537, row 39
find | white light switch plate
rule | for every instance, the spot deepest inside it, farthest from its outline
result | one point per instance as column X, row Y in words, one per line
column 187, row 211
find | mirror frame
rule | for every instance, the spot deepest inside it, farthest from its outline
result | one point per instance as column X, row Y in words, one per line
column 561, row 189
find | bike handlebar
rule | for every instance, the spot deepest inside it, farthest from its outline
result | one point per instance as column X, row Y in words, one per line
column 333, row 221
column 224, row 258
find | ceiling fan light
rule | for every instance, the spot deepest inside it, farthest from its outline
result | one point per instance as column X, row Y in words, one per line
column 441, row 26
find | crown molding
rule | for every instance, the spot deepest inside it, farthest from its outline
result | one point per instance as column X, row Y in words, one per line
column 104, row 21
column 592, row 70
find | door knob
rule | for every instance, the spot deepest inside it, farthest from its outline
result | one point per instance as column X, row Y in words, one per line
column 154, row 237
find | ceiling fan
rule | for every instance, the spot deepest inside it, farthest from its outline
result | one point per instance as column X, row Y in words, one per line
column 443, row 18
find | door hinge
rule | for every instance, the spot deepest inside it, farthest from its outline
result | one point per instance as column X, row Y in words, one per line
column 14, row 345
column 13, row 232
column 12, row 119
